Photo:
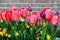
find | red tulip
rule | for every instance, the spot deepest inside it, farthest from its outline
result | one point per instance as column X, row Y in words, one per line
column 32, row 19
column 8, row 16
column 15, row 13
column 23, row 12
column 48, row 12
column 54, row 20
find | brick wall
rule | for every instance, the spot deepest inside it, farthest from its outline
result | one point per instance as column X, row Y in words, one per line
column 37, row 5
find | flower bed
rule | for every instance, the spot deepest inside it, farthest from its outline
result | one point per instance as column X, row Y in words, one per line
column 24, row 24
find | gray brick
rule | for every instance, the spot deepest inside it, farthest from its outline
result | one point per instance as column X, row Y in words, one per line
column 53, row 9
column 52, row 1
column 41, row 9
column 50, row 5
column 43, row 5
column 11, row 5
column 33, row 5
column 4, row 1
column 25, row 5
column 38, row 9
column 58, row 9
column 37, row 5
column 2, row 5
column 13, row 1
column 19, row 5
column 25, row 1
column 34, row 9
column 57, row 5
column 6, row 9
column 41, row 1
column 58, row 1
column 29, row 1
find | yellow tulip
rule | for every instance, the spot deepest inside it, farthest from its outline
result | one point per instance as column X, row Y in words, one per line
column 16, row 34
column 44, row 24
column 40, row 23
column 0, row 28
column 41, row 32
column 9, row 35
column 1, row 21
column 48, row 37
column 1, row 33
column 4, row 31
column 21, row 19
column 27, row 26
column 37, row 38
column 6, row 34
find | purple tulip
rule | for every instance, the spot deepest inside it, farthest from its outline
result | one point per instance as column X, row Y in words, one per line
column 56, row 13
column 29, row 8
column 55, row 26
column 42, row 14
column 19, row 21
column 37, row 34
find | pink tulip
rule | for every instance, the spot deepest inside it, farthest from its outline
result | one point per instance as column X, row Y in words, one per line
column 48, row 12
column 23, row 12
column 37, row 15
column 0, row 15
column 3, row 15
column 32, row 19
column 15, row 13
column 54, row 20
column 59, row 17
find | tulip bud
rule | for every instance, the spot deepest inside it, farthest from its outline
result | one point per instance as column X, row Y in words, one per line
column 23, row 12
column 19, row 21
column 56, row 13
column 42, row 14
column 29, row 8
column 55, row 26
column 15, row 13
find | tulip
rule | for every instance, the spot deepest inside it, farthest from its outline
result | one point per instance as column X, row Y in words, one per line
column 29, row 8
column 59, row 17
column 19, row 21
column 15, row 13
column 3, row 15
column 56, row 13
column 54, row 20
column 0, row 15
column 31, row 19
column 8, row 16
column 42, row 14
column 48, row 12
column 37, row 15
column 23, row 12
